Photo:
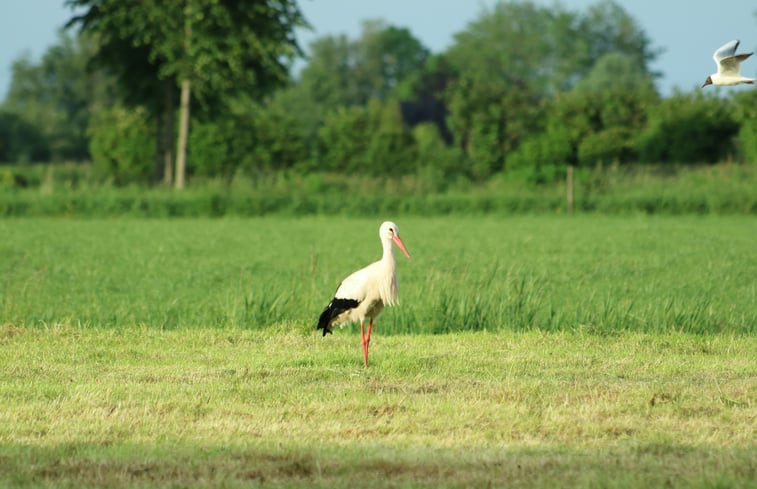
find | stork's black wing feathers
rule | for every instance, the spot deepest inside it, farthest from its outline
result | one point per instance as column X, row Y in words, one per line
column 335, row 308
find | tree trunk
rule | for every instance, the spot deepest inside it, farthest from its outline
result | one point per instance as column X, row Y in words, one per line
column 181, row 147
column 168, row 134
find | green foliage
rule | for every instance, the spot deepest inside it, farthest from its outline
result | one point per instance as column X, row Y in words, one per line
column 689, row 128
column 606, row 28
column 122, row 145
column 614, row 144
column 603, row 119
column 598, row 121
column 512, row 61
column 745, row 104
column 486, row 136
column 748, row 140
column 539, row 155
column 224, row 47
column 211, row 149
column 437, row 162
column 279, row 133
column 21, row 141
column 257, row 137
column 52, row 102
column 370, row 140
column 549, row 48
column 220, row 48
column 344, row 72
column 524, row 90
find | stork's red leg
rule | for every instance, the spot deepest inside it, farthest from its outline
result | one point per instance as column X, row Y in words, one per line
column 364, row 342
column 368, row 340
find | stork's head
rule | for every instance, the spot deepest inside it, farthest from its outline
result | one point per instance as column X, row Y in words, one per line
column 389, row 231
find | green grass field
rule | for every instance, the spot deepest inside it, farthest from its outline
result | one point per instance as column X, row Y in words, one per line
column 581, row 351
column 604, row 274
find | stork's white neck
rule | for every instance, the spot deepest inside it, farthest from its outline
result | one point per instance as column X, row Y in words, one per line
column 388, row 246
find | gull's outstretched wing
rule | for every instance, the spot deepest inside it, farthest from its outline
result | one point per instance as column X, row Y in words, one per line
column 725, row 51
column 727, row 60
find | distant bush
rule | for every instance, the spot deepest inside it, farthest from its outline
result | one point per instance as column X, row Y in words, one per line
column 20, row 141
column 606, row 146
column 689, row 128
column 122, row 145
column 370, row 139
column 537, row 156
column 748, row 140
column 436, row 161
column 211, row 149
column 746, row 109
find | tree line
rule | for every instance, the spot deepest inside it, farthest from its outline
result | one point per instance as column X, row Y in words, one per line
column 523, row 90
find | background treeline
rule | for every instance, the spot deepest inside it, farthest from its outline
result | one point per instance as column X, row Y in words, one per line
column 523, row 92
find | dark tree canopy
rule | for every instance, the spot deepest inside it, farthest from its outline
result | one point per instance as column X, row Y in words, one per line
column 233, row 45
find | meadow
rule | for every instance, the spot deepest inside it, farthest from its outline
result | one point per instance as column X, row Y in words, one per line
column 551, row 273
column 527, row 351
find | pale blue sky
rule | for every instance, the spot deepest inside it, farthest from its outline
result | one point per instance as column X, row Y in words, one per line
column 688, row 31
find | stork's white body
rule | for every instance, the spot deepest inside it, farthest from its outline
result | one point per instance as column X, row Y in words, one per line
column 373, row 287
column 364, row 293
column 729, row 66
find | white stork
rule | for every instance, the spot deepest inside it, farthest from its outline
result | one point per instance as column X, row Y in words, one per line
column 365, row 292
column 728, row 63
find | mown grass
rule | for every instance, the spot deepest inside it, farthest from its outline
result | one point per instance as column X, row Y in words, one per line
column 551, row 273
column 137, row 406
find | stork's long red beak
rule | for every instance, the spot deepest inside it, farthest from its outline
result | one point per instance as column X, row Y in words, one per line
column 398, row 241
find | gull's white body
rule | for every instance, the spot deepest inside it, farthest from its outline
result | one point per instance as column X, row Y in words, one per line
column 729, row 64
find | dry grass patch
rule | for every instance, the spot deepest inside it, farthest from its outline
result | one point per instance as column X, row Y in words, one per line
column 203, row 407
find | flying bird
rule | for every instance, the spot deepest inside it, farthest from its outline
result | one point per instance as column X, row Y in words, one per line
column 728, row 63
column 362, row 295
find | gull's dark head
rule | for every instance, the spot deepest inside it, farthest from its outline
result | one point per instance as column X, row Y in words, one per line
column 708, row 81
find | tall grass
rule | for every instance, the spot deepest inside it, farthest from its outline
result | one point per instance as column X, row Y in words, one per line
column 720, row 189
column 599, row 274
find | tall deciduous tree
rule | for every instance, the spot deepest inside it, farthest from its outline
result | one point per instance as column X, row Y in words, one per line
column 517, row 55
column 210, row 49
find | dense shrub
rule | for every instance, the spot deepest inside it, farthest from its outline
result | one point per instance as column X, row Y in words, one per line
column 746, row 112
column 689, row 128
column 20, row 141
column 553, row 147
column 370, row 139
column 748, row 140
column 437, row 162
column 211, row 149
column 122, row 145
column 606, row 146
